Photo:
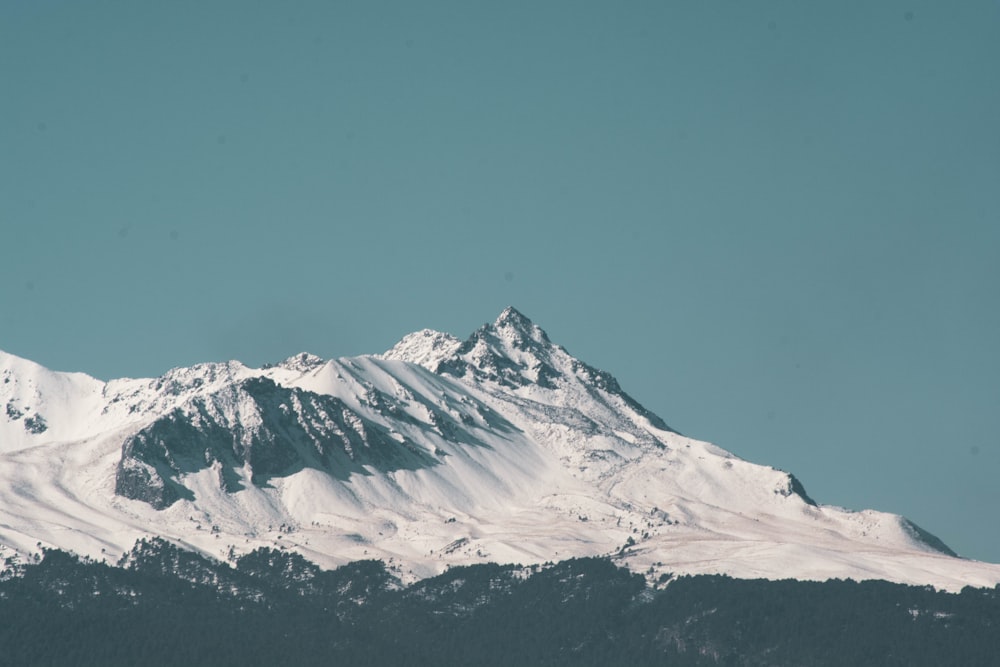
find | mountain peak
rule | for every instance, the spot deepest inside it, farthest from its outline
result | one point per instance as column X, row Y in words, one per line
column 426, row 348
column 303, row 362
column 515, row 324
column 513, row 316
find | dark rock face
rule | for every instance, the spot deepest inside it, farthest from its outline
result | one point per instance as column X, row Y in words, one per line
column 151, row 484
column 932, row 541
column 13, row 413
column 35, row 424
column 796, row 487
column 272, row 430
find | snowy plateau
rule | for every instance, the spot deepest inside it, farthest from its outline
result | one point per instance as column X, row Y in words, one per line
column 500, row 448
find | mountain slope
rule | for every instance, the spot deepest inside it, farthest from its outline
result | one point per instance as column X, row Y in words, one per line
column 501, row 447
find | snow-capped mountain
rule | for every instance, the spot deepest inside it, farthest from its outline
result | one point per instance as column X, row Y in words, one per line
column 502, row 447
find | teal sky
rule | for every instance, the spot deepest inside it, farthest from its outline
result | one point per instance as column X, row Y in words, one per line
column 777, row 223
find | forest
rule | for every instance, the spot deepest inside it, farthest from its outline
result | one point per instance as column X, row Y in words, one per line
column 166, row 606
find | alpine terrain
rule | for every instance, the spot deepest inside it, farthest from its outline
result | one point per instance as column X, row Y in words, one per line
column 439, row 452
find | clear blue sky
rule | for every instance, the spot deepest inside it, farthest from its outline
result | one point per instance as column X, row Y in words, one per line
column 777, row 223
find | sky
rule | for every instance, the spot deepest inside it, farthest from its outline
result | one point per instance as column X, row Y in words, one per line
column 776, row 223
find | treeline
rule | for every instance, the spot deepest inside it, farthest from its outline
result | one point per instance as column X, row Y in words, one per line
column 166, row 606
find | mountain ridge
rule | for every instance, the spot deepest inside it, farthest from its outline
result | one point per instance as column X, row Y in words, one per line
column 437, row 452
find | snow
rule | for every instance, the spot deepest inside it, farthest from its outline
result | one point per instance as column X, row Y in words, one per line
column 533, row 456
column 425, row 348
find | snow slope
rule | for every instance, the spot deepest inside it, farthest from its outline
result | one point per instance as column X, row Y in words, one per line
column 502, row 447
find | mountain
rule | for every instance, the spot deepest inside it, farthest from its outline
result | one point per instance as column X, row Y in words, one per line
column 439, row 452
